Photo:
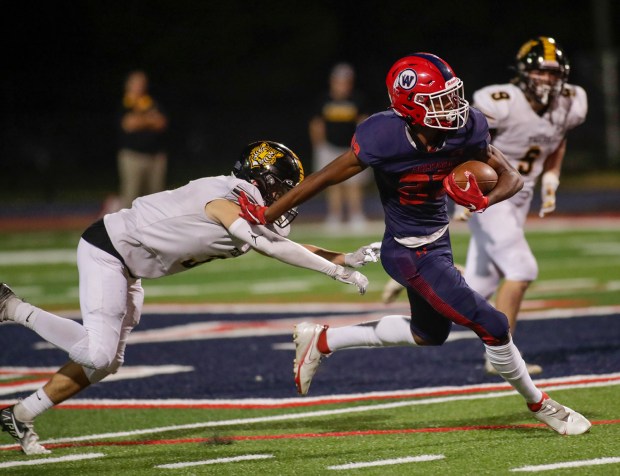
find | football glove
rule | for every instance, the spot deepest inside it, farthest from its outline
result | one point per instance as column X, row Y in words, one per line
column 550, row 183
column 349, row 276
column 366, row 254
column 251, row 212
column 471, row 198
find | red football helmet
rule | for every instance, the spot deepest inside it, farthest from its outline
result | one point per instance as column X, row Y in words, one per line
column 424, row 90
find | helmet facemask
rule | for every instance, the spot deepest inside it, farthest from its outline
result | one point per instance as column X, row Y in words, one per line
column 447, row 109
column 271, row 188
column 272, row 168
column 543, row 86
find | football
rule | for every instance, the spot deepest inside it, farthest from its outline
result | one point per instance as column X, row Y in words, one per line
column 484, row 173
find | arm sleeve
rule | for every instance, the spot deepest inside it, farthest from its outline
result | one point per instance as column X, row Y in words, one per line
column 280, row 248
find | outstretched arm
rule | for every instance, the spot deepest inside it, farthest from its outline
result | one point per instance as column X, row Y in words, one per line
column 340, row 169
column 266, row 242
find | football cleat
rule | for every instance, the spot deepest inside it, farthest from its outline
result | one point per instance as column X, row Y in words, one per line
column 532, row 369
column 562, row 419
column 22, row 431
column 6, row 294
column 307, row 355
column 391, row 291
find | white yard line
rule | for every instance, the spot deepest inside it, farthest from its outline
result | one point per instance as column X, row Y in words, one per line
column 567, row 464
column 572, row 381
column 303, row 415
column 232, row 459
column 388, row 462
column 59, row 459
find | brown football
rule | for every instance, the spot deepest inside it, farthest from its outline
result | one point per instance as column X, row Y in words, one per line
column 485, row 175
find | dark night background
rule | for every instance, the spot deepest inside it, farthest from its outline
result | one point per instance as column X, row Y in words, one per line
column 230, row 72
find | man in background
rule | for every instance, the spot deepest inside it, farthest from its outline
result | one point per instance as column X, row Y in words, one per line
column 142, row 160
column 338, row 112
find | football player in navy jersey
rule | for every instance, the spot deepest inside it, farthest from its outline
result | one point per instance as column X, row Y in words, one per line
column 412, row 148
column 529, row 120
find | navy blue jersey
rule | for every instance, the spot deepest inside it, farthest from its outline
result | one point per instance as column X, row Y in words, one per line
column 409, row 180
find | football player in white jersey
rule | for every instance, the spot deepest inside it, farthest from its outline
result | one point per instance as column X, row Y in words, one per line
column 162, row 234
column 529, row 119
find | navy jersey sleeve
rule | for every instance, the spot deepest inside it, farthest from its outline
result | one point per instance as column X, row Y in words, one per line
column 379, row 137
column 480, row 138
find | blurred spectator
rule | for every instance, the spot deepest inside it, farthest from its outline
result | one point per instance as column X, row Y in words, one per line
column 338, row 112
column 142, row 159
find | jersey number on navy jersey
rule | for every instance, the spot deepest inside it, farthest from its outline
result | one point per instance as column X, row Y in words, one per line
column 416, row 189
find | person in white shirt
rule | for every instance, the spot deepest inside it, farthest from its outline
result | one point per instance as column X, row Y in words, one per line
column 162, row 234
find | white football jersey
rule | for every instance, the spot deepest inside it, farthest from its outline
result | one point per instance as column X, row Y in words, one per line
column 168, row 232
column 525, row 138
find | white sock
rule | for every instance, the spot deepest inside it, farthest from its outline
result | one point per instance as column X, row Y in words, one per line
column 31, row 407
column 387, row 331
column 61, row 332
column 507, row 360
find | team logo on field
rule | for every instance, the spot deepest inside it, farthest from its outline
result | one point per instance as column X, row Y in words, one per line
column 407, row 79
column 263, row 155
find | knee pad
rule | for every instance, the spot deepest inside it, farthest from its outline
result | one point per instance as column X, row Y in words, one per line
column 526, row 270
column 97, row 359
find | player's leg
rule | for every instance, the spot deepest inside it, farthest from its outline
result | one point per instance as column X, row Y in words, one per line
column 502, row 248
column 449, row 294
column 56, row 330
column 313, row 342
column 391, row 291
column 156, row 177
column 481, row 273
column 93, row 353
column 130, row 176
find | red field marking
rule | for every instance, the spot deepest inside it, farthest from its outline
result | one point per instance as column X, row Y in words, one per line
column 294, row 436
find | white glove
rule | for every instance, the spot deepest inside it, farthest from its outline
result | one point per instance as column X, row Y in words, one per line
column 550, row 183
column 461, row 213
column 366, row 254
column 349, row 276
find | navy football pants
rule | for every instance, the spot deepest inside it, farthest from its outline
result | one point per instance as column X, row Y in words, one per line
column 438, row 293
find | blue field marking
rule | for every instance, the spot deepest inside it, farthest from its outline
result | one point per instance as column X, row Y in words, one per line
column 251, row 367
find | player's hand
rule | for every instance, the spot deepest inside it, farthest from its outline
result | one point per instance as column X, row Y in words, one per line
column 461, row 213
column 548, row 203
column 366, row 254
column 550, row 183
column 349, row 276
column 251, row 212
column 471, row 198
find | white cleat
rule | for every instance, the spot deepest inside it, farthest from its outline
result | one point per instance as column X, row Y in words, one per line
column 564, row 420
column 307, row 355
column 22, row 431
column 391, row 291
column 6, row 296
